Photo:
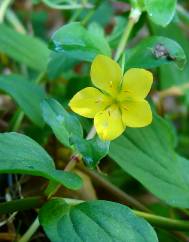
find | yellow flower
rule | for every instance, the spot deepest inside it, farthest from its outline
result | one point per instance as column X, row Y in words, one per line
column 119, row 100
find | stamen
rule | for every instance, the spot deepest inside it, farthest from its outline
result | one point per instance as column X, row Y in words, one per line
column 125, row 108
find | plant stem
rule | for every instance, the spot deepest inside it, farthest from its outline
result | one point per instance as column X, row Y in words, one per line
column 162, row 222
column 122, row 196
column 67, row 7
column 3, row 8
column 133, row 19
column 21, row 204
column 91, row 133
column 18, row 121
column 14, row 21
column 29, row 233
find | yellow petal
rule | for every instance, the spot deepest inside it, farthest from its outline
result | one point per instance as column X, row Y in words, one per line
column 89, row 101
column 106, row 74
column 136, row 113
column 108, row 123
column 137, row 83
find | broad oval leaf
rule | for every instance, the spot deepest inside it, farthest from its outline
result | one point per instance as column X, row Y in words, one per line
column 23, row 48
column 148, row 155
column 79, row 42
column 154, row 52
column 93, row 221
column 161, row 12
column 27, row 94
column 20, row 154
column 63, row 124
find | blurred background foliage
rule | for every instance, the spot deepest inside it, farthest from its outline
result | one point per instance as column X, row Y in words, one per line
column 148, row 165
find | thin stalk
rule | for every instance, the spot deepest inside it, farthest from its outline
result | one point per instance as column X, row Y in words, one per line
column 29, row 233
column 18, row 121
column 67, row 7
column 91, row 133
column 3, row 8
column 122, row 196
column 133, row 19
column 162, row 222
column 14, row 21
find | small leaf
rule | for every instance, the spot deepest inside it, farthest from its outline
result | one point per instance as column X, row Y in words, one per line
column 93, row 221
column 20, row 154
column 92, row 150
column 161, row 12
column 25, row 49
column 58, row 64
column 62, row 123
column 169, row 75
column 148, row 155
column 154, row 52
column 27, row 94
column 79, row 42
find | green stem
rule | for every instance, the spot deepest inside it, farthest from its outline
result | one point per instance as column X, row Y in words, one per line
column 21, row 204
column 162, row 222
column 122, row 196
column 66, row 7
column 29, row 233
column 183, row 14
column 3, row 8
column 18, row 121
column 14, row 21
column 133, row 19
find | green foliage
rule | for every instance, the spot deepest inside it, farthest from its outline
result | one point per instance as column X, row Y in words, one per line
column 148, row 155
column 64, row 125
column 68, row 131
column 22, row 90
column 161, row 12
column 92, row 150
column 27, row 157
column 23, row 48
column 151, row 164
column 80, row 43
column 93, row 221
column 154, row 52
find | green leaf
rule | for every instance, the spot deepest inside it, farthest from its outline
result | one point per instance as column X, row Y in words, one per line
column 58, row 64
column 25, row 49
column 161, row 12
column 27, row 94
column 148, row 53
column 148, row 155
column 169, row 75
column 20, row 154
column 63, row 124
column 79, row 42
column 92, row 150
column 93, row 221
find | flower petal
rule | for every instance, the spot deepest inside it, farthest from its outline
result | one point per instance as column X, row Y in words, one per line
column 137, row 83
column 136, row 113
column 89, row 101
column 106, row 74
column 108, row 123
